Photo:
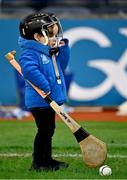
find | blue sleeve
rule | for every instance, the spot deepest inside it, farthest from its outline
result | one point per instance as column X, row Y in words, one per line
column 64, row 54
column 30, row 69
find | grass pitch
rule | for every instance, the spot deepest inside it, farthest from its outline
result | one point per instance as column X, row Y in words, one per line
column 16, row 141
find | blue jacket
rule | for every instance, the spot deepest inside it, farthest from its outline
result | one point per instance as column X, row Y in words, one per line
column 37, row 67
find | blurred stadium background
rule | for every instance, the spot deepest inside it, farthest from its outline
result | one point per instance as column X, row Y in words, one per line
column 97, row 73
column 96, row 81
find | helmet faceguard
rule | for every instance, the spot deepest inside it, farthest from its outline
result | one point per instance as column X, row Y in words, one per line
column 40, row 23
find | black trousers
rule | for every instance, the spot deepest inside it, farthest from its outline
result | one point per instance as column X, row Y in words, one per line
column 45, row 122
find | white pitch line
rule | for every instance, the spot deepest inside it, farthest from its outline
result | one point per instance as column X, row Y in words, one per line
column 80, row 155
column 15, row 155
column 116, row 145
column 121, row 156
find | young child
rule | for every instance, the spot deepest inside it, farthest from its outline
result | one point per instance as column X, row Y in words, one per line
column 40, row 39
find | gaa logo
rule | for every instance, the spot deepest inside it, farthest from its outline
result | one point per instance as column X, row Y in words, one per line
column 99, row 64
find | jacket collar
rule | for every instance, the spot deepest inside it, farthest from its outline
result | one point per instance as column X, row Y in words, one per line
column 35, row 45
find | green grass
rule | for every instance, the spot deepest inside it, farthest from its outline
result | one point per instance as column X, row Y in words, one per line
column 17, row 137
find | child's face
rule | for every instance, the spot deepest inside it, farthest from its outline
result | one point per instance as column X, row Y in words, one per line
column 53, row 31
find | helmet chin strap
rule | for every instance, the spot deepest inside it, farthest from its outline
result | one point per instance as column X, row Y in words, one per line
column 46, row 38
column 53, row 55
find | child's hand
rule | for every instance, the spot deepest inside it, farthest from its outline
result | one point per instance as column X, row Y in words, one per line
column 62, row 43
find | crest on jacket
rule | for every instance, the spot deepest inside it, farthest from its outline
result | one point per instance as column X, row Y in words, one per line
column 45, row 59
